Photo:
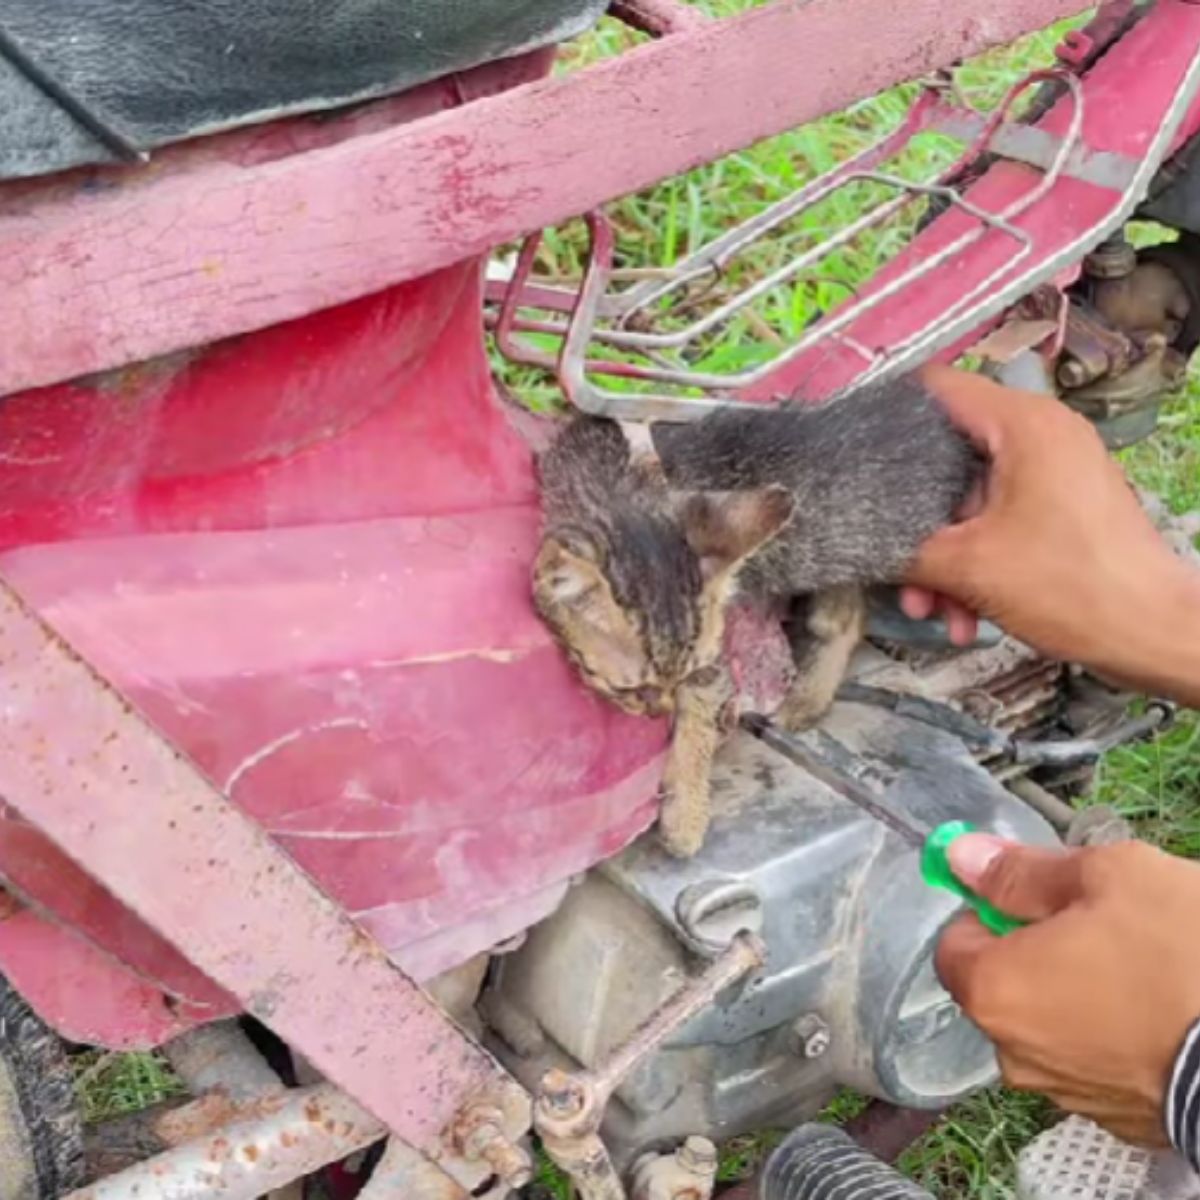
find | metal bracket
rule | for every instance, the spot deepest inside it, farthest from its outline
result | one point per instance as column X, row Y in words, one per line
column 641, row 333
column 89, row 771
column 570, row 1108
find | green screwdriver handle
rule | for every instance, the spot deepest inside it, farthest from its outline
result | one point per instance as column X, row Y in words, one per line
column 935, row 870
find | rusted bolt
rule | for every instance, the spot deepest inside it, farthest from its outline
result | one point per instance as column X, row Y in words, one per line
column 560, row 1095
column 1072, row 373
column 480, row 1136
column 1112, row 259
column 713, row 912
column 811, row 1035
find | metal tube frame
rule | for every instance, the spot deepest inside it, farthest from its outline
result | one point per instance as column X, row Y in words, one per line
column 929, row 112
column 601, row 317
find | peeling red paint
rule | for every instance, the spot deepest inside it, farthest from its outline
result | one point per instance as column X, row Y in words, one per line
column 133, row 285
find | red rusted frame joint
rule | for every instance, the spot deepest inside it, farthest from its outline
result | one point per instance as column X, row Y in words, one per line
column 79, row 762
column 658, row 17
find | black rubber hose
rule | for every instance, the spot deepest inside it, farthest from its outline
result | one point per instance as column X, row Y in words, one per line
column 820, row 1162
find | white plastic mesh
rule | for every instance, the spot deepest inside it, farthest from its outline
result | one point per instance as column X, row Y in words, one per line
column 1077, row 1160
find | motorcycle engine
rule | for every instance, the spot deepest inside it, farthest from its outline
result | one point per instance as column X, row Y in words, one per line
column 848, row 996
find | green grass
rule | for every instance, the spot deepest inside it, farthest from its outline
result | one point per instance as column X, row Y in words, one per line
column 973, row 1152
column 110, row 1084
column 1169, row 463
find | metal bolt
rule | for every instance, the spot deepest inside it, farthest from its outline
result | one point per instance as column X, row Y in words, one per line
column 1072, row 373
column 698, row 1156
column 560, row 1094
column 481, row 1136
column 1112, row 259
column 811, row 1035
column 509, row 1161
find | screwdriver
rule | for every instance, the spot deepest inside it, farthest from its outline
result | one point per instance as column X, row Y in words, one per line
column 934, row 845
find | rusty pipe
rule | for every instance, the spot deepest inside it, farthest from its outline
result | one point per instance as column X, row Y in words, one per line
column 291, row 1134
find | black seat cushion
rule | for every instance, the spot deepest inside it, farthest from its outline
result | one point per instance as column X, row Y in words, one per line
column 158, row 71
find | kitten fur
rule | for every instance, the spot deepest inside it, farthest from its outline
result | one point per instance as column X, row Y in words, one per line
column 807, row 504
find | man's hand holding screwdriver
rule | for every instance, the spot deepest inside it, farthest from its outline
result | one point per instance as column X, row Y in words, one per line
column 1096, row 1002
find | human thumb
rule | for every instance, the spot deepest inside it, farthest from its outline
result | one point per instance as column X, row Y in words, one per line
column 1026, row 882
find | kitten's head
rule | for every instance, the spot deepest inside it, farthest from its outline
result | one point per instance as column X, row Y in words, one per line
column 638, row 602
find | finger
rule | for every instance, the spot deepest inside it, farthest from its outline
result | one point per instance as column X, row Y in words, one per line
column 943, row 563
column 1027, row 882
column 962, row 625
column 958, row 953
column 917, row 604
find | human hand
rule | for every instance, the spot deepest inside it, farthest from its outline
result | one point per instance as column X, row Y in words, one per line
column 1056, row 548
column 1091, row 1002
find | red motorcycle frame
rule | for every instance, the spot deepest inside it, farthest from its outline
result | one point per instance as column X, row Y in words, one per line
column 279, row 732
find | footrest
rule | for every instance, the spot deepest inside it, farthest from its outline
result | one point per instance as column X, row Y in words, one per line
column 1080, row 1161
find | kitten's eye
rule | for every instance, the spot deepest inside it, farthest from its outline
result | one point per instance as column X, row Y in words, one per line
column 569, row 585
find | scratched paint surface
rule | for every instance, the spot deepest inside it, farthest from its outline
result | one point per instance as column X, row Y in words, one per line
column 335, row 627
column 120, row 266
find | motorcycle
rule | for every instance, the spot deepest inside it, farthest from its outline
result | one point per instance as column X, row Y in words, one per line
column 296, row 787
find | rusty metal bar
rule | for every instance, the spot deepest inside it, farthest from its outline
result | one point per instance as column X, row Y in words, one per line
column 80, row 763
column 570, row 1108
column 295, row 1134
column 128, row 290
column 745, row 954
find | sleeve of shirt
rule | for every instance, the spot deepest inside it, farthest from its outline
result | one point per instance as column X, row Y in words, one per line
column 1183, row 1099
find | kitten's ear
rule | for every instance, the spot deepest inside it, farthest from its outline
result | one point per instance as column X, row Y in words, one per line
column 566, row 573
column 725, row 528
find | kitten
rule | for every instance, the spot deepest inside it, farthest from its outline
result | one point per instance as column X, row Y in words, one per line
column 641, row 553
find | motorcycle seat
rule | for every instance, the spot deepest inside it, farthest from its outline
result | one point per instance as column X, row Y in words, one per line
column 153, row 72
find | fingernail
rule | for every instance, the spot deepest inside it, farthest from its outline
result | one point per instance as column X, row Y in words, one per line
column 915, row 605
column 971, row 855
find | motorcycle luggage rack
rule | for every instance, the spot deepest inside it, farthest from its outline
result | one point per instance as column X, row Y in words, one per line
column 592, row 314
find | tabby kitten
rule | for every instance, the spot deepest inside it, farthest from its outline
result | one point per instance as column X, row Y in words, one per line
column 642, row 552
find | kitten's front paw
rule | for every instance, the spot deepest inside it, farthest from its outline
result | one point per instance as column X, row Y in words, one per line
column 682, row 821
